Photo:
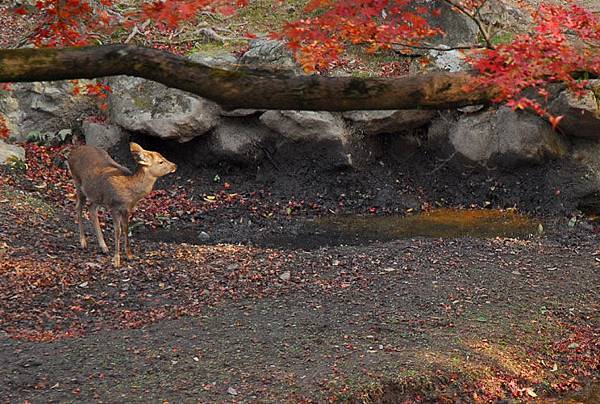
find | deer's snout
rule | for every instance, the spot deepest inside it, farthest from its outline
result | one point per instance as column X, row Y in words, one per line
column 173, row 167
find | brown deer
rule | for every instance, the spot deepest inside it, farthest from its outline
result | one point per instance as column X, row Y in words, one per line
column 104, row 182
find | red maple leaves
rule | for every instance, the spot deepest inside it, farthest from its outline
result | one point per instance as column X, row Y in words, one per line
column 320, row 42
column 548, row 54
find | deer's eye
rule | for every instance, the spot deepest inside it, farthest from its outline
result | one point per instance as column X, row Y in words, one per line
column 162, row 162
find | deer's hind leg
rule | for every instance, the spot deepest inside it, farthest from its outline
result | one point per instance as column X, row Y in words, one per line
column 96, row 224
column 79, row 207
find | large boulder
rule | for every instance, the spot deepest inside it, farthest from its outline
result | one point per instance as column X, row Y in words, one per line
column 306, row 125
column 581, row 116
column 505, row 138
column 45, row 108
column 240, row 141
column 153, row 109
column 102, row 135
column 448, row 60
column 377, row 122
column 459, row 29
column 269, row 52
column 508, row 19
column 323, row 135
column 10, row 151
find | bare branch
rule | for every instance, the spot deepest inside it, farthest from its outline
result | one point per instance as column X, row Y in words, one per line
column 473, row 16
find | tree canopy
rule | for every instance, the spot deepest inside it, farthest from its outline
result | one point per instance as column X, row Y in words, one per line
column 561, row 45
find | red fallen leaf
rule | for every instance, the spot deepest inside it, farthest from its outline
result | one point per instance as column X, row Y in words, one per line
column 555, row 120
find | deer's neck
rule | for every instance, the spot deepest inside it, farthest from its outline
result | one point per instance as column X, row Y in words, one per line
column 141, row 183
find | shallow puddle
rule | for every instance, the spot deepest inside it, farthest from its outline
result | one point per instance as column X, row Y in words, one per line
column 441, row 223
column 360, row 230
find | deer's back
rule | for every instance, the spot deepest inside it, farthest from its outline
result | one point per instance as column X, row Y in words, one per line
column 96, row 173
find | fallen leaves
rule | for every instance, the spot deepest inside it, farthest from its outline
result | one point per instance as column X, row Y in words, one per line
column 50, row 290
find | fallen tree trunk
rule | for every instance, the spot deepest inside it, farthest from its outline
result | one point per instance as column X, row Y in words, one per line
column 242, row 87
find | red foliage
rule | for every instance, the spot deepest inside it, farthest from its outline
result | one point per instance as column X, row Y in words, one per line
column 81, row 22
column 320, row 41
column 4, row 131
column 71, row 22
column 547, row 54
column 170, row 13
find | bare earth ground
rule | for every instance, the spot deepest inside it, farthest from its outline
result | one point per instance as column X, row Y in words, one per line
column 263, row 310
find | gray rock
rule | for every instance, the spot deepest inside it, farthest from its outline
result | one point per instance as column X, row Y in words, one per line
column 10, row 151
column 224, row 60
column 451, row 60
column 239, row 141
column 307, row 125
column 581, row 116
column 376, row 122
column 505, row 138
column 242, row 112
column 203, row 236
column 321, row 138
column 437, row 132
column 104, row 136
column 153, row 109
column 469, row 109
column 459, row 30
column 505, row 16
column 44, row 107
column 263, row 51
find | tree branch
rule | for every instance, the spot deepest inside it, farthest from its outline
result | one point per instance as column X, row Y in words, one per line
column 474, row 17
column 242, row 87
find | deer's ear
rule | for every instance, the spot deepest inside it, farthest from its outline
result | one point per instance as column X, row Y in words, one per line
column 139, row 155
column 135, row 148
column 142, row 158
